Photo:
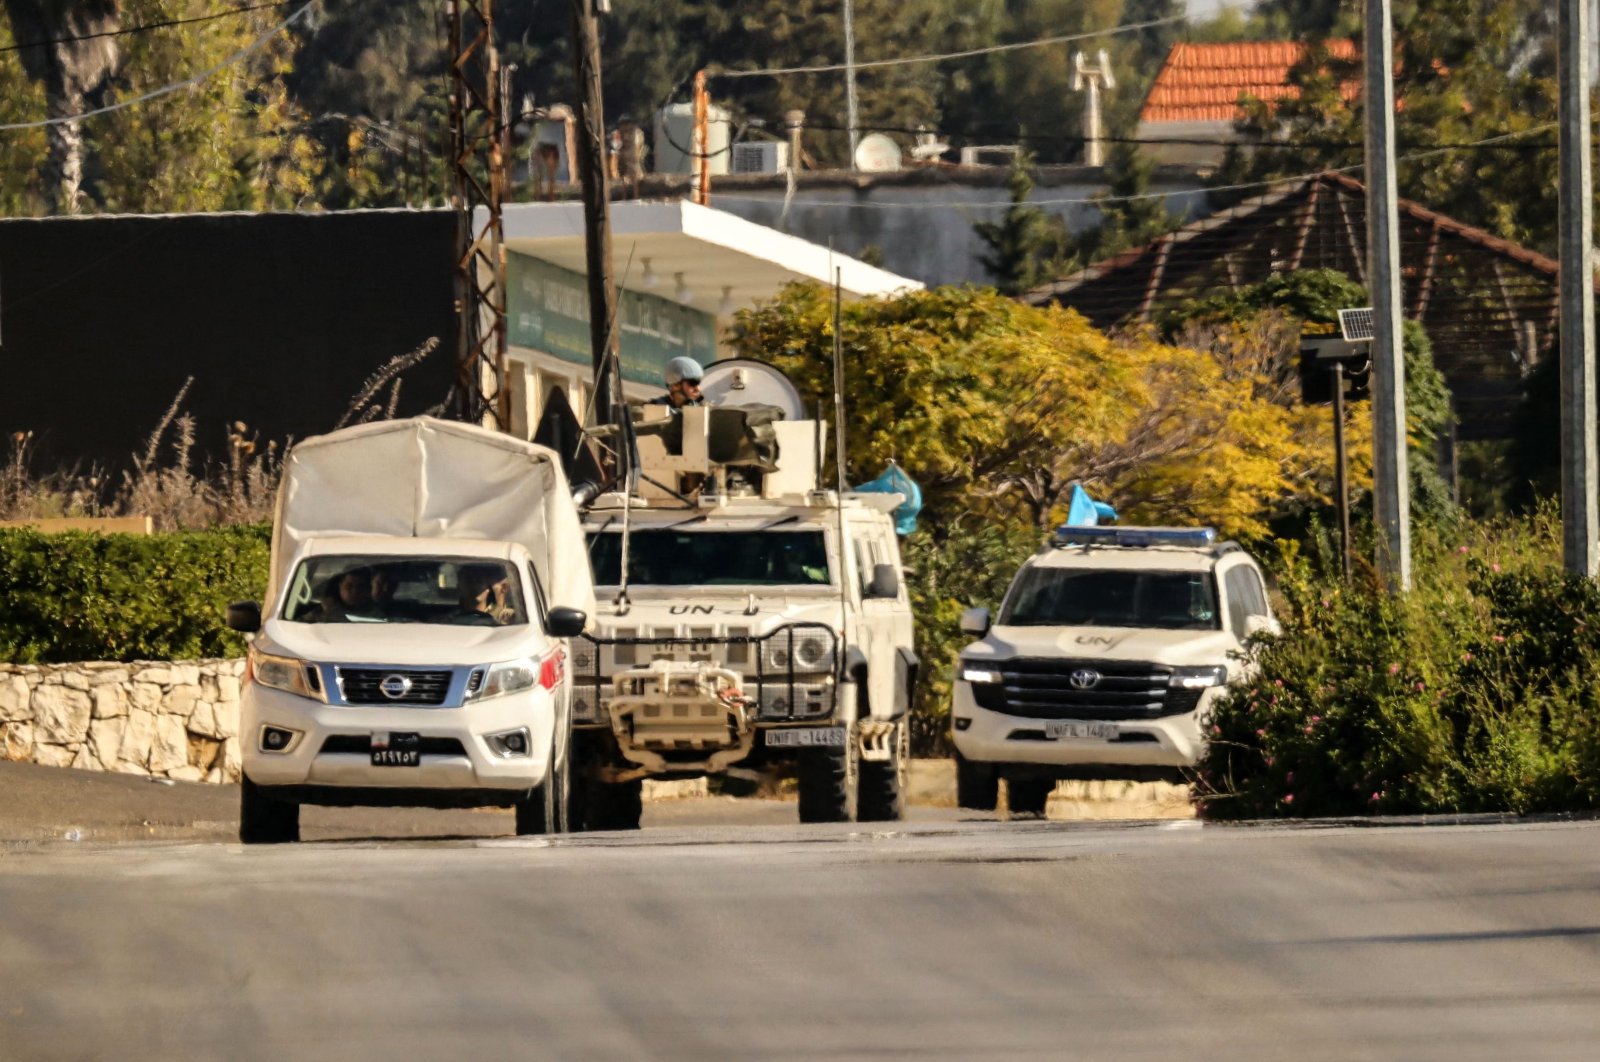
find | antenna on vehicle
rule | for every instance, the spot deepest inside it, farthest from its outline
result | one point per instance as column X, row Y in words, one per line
column 838, row 428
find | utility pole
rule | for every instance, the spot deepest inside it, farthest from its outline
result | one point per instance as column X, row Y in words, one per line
column 1578, row 512
column 1390, row 487
column 596, row 207
column 700, row 142
column 477, row 192
column 852, row 119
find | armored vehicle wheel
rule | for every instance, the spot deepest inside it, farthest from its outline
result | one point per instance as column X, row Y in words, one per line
column 610, row 806
column 882, row 796
column 828, row 782
column 265, row 819
column 977, row 785
column 1028, row 796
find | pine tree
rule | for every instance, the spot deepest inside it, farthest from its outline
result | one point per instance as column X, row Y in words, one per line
column 1025, row 241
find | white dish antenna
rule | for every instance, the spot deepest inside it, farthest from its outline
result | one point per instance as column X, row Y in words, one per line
column 877, row 153
column 747, row 382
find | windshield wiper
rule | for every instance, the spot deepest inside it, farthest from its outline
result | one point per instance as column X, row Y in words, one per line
column 683, row 523
column 779, row 522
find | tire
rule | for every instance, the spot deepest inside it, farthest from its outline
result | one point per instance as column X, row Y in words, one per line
column 265, row 819
column 610, row 806
column 1028, row 796
column 977, row 785
column 538, row 813
column 882, row 792
column 828, row 782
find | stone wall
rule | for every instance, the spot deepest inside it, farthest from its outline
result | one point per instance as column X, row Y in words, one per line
column 167, row 720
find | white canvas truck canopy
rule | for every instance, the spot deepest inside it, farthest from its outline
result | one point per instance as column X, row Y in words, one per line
column 433, row 479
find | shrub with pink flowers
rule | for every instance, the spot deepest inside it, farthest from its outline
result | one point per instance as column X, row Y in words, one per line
column 1474, row 692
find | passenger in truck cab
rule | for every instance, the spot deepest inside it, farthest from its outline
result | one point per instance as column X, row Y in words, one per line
column 346, row 595
column 481, row 596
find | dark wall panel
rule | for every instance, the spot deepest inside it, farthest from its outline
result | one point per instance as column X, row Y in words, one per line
column 278, row 317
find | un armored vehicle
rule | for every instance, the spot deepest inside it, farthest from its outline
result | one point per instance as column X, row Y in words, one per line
column 749, row 621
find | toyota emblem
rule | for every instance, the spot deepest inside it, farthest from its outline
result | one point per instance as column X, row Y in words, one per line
column 1084, row 678
column 395, row 686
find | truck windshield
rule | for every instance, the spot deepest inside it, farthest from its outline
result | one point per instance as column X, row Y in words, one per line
column 1067, row 597
column 459, row 591
column 712, row 558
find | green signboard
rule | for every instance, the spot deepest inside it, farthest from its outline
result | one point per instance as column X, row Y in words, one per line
column 548, row 310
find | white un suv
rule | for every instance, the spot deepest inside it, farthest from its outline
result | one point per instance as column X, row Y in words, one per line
column 1109, row 648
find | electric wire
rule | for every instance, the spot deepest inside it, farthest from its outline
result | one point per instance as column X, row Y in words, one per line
column 1099, row 199
column 967, row 53
column 176, row 86
column 145, row 27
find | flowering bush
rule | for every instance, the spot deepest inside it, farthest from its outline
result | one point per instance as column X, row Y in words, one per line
column 1474, row 692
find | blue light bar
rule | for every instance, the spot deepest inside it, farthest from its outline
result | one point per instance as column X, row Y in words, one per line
column 1134, row 536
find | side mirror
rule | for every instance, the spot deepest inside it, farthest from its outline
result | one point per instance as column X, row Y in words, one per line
column 561, row 622
column 975, row 621
column 244, row 617
column 1256, row 624
column 885, row 581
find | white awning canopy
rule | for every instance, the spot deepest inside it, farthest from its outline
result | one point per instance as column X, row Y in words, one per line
column 717, row 254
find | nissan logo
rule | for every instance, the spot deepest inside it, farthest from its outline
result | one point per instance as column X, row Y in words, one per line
column 396, row 686
column 1084, row 678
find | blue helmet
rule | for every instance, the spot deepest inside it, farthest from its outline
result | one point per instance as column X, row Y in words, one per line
column 683, row 369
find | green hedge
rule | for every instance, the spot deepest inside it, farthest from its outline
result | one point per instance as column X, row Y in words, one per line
column 1475, row 692
column 80, row 596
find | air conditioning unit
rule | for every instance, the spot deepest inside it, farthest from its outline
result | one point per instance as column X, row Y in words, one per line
column 759, row 156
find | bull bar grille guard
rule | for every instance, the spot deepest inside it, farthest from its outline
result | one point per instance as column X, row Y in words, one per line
column 594, row 676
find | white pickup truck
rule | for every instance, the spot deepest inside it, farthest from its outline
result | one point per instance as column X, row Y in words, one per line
column 412, row 649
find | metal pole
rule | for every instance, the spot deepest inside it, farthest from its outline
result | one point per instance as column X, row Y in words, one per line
column 1578, row 513
column 596, row 205
column 1341, row 484
column 851, row 117
column 1092, row 155
column 1390, row 487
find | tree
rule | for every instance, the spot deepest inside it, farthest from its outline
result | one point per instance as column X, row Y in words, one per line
column 61, row 52
column 1026, row 244
column 235, row 140
column 1314, row 297
column 1467, row 71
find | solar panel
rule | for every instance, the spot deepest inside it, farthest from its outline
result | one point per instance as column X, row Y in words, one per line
column 1356, row 324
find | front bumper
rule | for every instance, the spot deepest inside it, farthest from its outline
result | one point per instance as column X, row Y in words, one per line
column 345, row 763
column 998, row 738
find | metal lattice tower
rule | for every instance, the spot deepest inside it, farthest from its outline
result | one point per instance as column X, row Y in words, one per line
column 477, row 193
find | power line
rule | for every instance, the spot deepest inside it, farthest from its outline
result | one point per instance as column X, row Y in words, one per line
column 176, row 86
column 1300, row 145
column 969, row 52
column 145, row 27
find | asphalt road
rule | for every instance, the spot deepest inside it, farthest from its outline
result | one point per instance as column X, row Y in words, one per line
column 933, row 940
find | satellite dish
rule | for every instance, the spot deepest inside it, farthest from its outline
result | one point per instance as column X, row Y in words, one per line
column 747, row 382
column 877, row 154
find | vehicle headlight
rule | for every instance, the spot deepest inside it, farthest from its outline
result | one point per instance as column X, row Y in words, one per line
column 285, row 673
column 984, row 674
column 513, row 676
column 1198, row 678
column 800, row 651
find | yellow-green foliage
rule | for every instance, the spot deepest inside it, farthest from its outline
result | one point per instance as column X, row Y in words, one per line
column 997, row 407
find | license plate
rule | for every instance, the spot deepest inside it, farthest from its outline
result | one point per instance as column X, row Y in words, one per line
column 830, row 737
column 396, row 750
column 1102, row 731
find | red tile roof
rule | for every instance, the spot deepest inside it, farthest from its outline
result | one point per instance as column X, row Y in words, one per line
column 1204, row 82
